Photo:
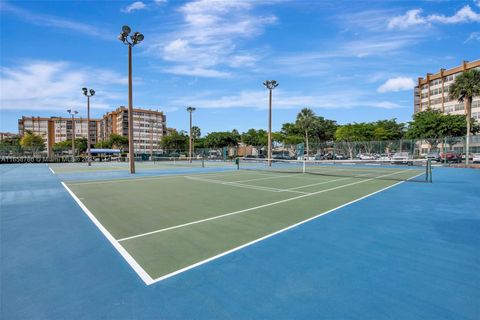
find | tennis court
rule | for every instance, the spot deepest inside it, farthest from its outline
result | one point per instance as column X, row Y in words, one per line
column 163, row 225
column 166, row 163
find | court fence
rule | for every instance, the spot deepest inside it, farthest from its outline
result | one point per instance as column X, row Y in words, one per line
column 454, row 149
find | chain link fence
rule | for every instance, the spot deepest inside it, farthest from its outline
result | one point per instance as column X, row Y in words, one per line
column 442, row 149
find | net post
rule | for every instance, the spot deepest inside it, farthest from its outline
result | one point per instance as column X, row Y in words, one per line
column 303, row 168
column 430, row 170
column 203, row 161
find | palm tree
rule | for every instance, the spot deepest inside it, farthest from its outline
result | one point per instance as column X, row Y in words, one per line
column 305, row 120
column 465, row 87
column 196, row 133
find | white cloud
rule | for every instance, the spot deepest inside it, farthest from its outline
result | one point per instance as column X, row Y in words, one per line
column 137, row 5
column 477, row 2
column 474, row 36
column 184, row 70
column 466, row 14
column 258, row 99
column 46, row 85
column 211, row 37
column 414, row 18
column 397, row 84
column 411, row 18
column 51, row 21
column 160, row 1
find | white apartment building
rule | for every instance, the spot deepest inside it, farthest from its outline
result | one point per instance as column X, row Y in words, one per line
column 431, row 92
column 58, row 129
column 149, row 127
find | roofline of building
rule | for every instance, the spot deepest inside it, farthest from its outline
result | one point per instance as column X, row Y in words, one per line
column 443, row 72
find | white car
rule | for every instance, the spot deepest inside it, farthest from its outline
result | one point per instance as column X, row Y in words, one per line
column 402, row 158
column 476, row 158
column 366, row 157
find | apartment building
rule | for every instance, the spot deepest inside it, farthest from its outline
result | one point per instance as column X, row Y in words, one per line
column 58, row 129
column 431, row 91
column 149, row 127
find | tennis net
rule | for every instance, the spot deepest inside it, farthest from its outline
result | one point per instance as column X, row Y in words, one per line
column 399, row 170
column 179, row 161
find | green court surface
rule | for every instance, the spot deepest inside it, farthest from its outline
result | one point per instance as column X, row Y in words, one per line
column 163, row 225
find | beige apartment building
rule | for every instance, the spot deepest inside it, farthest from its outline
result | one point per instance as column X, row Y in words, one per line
column 431, row 92
column 149, row 127
column 58, row 129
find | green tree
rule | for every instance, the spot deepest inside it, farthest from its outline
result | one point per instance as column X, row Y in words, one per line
column 81, row 144
column 433, row 125
column 291, row 134
column 175, row 141
column 255, row 137
column 347, row 135
column 426, row 125
column 389, row 130
column 196, row 133
column 305, row 121
column 10, row 145
column 465, row 87
column 118, row 142
column 32, row 142
column 221, row 139
column 324, row 129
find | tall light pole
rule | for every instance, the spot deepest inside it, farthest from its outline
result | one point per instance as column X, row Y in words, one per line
column 88, row 94
column 135, row 39
column 190, row 110
column 73, row 113
column 270, row 85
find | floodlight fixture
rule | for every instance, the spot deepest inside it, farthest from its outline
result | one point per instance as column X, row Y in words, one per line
column 270, row 84
column 136, row 38
column 92, row 92
column 126, row 30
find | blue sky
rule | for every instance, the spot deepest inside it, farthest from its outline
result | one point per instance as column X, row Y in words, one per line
column 350, row 61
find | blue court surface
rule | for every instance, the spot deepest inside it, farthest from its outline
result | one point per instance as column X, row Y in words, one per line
column 411, row 251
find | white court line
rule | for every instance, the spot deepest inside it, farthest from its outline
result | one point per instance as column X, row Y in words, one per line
column 273, row 234
column 170, row 176
column 325, row 182
column 130, row 260
column 51, row 170
column 253, row 208
column 258, row 179
column 246, row 186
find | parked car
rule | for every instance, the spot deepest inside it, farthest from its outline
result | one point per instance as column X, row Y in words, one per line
column 366, row 157
column 402, row 158
column 433, row 156
column 476, row 158
column 339, row 156
column 451, row 156
column 385, row 157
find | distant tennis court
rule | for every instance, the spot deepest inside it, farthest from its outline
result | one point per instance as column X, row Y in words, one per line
column 163, row 225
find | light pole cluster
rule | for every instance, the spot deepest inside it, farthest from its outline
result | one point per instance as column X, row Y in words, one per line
column 270, row 85
column 135, row 39
column 190, row 110
column 73, row 113
column 88, row 94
